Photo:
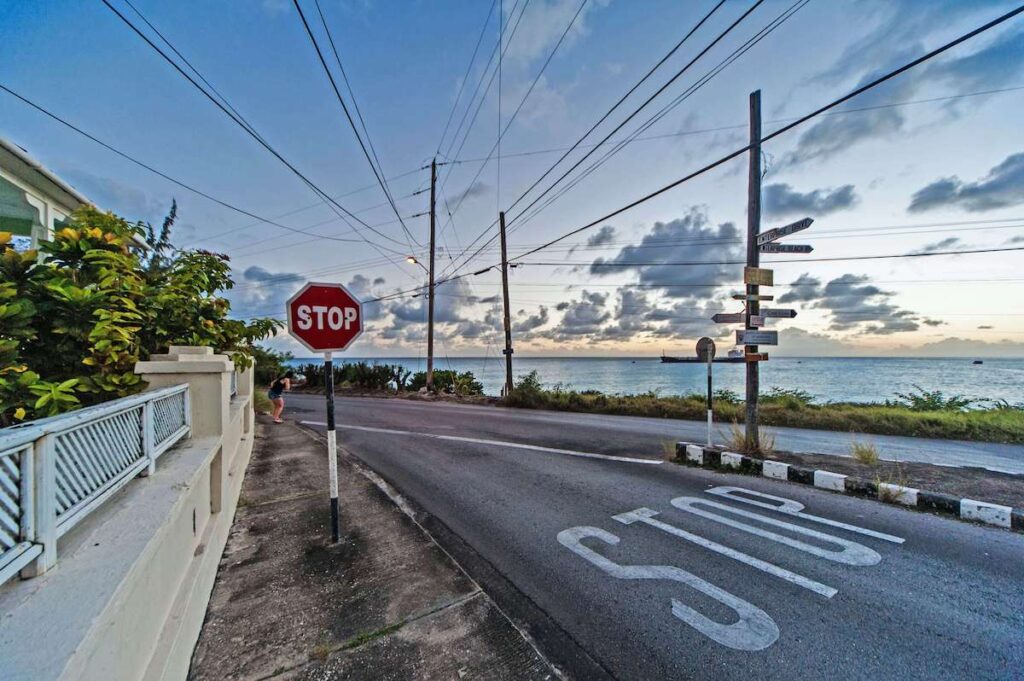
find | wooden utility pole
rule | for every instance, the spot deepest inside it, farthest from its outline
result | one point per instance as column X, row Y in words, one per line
column 430, row 286
column 508, row 318
column 753, row 439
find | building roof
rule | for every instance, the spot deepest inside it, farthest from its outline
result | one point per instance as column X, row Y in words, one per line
column 16, row 160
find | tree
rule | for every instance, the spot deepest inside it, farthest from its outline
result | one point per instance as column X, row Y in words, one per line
column 75, row 322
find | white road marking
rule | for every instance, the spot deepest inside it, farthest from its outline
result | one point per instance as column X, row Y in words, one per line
column 754, row 630
column 795, row 508
column 646, row 515
column 496, row 443
column 852, row 553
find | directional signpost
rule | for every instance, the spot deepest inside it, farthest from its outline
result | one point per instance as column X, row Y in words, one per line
column 778, row 312
column 749, row 337
column 785, row 248
column 779, row 232
column 326, row 318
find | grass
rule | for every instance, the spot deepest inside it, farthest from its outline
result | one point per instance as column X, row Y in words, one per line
column 864, row 452
column 736, row 441
column 794, row 409
column 261, row 403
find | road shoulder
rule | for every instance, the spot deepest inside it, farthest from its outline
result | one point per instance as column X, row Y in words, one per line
column 385, row 602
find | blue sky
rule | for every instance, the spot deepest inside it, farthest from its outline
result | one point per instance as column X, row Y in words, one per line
column 944, row 170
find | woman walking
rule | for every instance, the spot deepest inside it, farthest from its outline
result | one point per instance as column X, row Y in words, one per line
column 277, row 391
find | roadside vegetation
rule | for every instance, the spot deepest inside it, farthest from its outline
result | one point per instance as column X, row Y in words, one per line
column 103, row 294
column 920, row 413
column 389, row 378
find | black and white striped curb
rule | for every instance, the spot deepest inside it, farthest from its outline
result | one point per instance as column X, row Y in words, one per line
column 965, row 509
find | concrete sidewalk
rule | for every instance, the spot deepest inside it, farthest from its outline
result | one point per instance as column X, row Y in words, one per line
column 384, row 603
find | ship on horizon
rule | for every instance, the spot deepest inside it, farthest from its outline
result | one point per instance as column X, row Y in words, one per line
column 733, row 356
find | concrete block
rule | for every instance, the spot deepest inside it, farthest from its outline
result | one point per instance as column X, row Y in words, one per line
column 897, row 494
column 776, row 470
column 982, row 511
column 731, row 460
column 832, row 481
column 695, row 454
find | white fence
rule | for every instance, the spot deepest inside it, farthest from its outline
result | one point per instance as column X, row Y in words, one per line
column 55, row 471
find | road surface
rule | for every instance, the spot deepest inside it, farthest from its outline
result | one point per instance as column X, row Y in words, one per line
column 623, row 567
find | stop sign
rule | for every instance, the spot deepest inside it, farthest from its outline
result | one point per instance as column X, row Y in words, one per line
column 325, row 317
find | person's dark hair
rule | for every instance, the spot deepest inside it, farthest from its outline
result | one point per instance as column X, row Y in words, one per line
column 289, row 374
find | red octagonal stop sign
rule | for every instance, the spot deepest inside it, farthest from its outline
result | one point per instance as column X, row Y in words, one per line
column 325, row 317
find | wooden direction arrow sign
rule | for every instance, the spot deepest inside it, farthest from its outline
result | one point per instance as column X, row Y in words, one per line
column 785, row 248
column 747, row 337
column 758, row 276
column 779, row 312
column 751, row 296
column 779, row 232
column 729, row 318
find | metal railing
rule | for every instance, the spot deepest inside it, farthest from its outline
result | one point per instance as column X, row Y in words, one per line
column 55, row 471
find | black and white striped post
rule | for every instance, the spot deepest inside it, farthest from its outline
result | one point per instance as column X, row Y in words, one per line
column 332, row 443
column 706, row 351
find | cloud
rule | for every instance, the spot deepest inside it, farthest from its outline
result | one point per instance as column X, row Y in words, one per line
column 473, row 190
column 903, row 31
column 1002, row 187
column 1019, row 239
column 855, row 305
column 944, row 244
column 687, row 239
column 542, row 24
column 582, row 317
column 531, row 322
column 782, row 200
column 124, row 199
column 604, row 236
column 986, row 326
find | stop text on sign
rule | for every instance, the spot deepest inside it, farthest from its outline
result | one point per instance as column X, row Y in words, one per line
column 324, row 317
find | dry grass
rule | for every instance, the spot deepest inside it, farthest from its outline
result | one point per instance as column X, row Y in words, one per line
column 668, row 450
column 864, row 452
column 736, row 441
column 261, row 403
column 895, row 478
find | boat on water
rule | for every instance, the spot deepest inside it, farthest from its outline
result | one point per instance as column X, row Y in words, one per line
column 735, row 355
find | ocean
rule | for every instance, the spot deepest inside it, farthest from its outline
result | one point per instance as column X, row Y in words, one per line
column 829, row 379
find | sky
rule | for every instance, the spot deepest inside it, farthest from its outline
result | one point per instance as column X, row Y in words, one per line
column 932, row 160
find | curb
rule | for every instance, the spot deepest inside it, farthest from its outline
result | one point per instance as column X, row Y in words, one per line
column 964, row 509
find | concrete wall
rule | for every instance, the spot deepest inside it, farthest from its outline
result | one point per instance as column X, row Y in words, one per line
column 128, row 597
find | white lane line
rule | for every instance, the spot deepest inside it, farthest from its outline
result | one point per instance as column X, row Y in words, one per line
column 850, row 553
column 496, row 443
column 752, row 628
column 795, row 508
column 646, row 515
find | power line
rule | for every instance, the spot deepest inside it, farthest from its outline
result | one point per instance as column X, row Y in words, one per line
column 251, row 132
column 465, row 79
column 683, row 96
column 344, row 107
column 786, row 128
column 608, row 113
column 497, row 144
column 160, row 173
column 699, row 263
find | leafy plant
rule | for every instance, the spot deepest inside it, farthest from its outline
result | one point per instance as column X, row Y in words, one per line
column 75, row 322
column 931, row 400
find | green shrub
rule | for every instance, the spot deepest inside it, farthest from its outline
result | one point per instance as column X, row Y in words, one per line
column 931, row 400
column 448, row 381
column 76, row 322
column 270, row 364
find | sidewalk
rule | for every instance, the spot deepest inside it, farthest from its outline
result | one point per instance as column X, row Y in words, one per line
column 384, row 603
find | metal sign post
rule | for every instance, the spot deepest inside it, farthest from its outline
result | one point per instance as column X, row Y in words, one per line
column 706, row 350
column 332, row 443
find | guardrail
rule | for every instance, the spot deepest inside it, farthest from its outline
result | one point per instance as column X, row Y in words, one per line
column 55, row 471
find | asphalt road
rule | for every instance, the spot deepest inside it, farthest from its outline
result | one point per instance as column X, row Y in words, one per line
column 699, row 585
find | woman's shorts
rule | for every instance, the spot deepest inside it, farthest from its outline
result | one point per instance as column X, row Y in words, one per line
column 273, row 395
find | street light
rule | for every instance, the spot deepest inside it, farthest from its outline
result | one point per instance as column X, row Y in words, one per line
column 413, row 261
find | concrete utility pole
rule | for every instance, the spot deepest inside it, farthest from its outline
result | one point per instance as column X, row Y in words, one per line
column 508, row 318
column 430, row 287
column 753, row 439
